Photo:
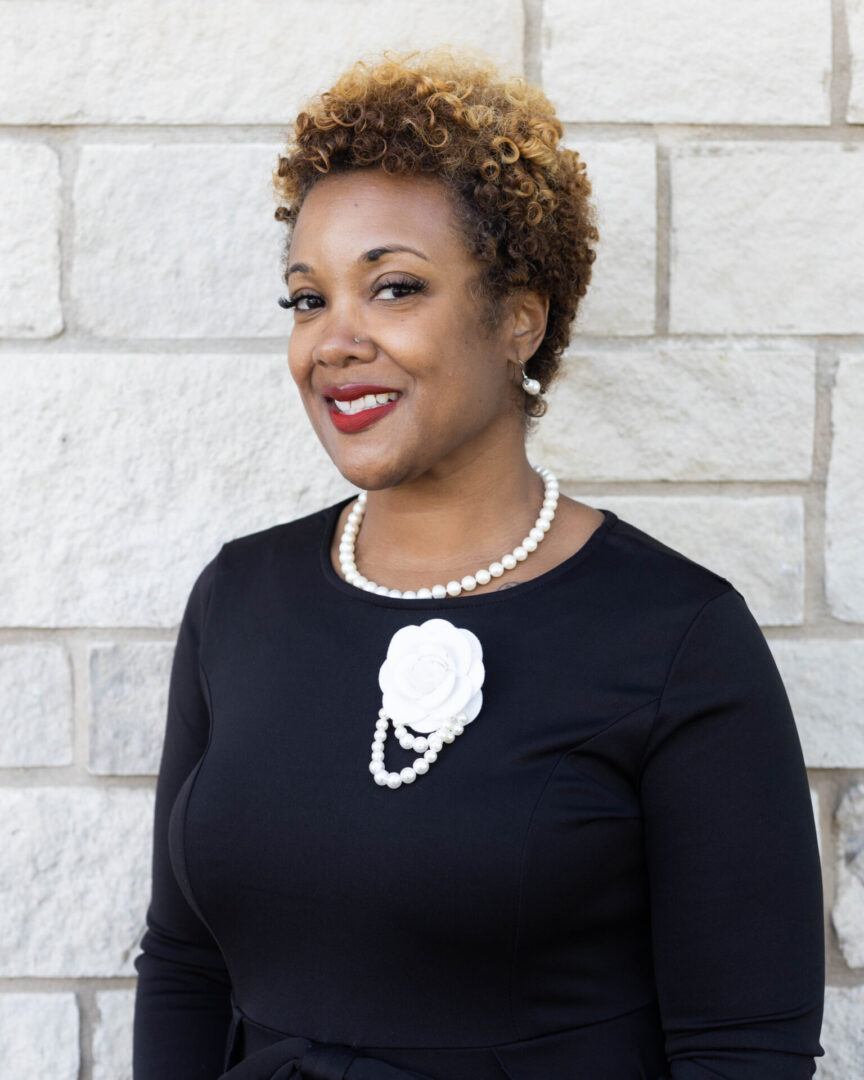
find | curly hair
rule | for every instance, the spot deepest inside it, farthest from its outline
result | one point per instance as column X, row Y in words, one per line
column 523, row 200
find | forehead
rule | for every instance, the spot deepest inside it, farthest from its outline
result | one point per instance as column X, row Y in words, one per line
column 359, row 210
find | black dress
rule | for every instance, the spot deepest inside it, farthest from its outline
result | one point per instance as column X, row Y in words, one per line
column 612, row 874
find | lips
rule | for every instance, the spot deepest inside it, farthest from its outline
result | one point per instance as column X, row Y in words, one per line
column 360, row 404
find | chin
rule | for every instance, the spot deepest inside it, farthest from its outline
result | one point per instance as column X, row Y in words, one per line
column 371, row 475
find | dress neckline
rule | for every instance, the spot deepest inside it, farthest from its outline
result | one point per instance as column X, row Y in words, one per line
column 330, row 518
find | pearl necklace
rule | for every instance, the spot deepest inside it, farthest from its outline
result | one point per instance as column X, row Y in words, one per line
column 429, row 746
column 453, row 588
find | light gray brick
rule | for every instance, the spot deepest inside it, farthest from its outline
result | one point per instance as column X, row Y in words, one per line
column 701, row 62
column 29, row 239
column 200, row 256
column 682, row 413
column 149, row 463
column 844, row 501
column 36, row 706
column 129, row 699
column 74, row 880
column 112, row 1035
column 757, row 543
column 825, row 681
column 39, row 1036
column 842, row 1035
column 220, row 62
column 620, row 298
column 767, row 238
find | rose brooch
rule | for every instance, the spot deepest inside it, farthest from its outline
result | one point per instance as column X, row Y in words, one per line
column 430, row 682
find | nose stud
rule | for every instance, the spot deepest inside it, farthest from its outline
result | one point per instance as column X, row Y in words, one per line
column 356, row 340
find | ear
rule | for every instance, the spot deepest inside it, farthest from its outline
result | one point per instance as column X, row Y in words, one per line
column 530, row 310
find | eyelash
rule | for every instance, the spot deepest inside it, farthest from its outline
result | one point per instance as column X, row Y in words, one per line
column 410, row 285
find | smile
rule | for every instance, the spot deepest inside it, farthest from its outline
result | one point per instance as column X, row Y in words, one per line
column 355, row 407
column 368, row 401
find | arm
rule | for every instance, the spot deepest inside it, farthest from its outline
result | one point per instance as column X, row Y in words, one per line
column 182, row 1005
column 734, row 877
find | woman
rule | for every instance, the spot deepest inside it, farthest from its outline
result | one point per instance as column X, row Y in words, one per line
column 589, row 850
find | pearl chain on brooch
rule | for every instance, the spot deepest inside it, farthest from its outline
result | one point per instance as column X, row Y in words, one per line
column 468, row 583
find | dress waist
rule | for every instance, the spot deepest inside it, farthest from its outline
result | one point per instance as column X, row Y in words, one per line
column 627, row 1047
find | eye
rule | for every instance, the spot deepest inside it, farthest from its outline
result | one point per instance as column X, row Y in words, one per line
column 398, row 288
column 301, row 302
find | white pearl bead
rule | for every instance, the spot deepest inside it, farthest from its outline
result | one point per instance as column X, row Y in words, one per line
column 520, row 553
column 542, row 525
column 439, row 592
column 381, row 778
column 431, row 756
column 536, row 534
column 394, row 780
column 420, row 744
column 382, row 713
column 550, row 504
column 409, row 594
column 496, row 569
column 454, row 588
column 370, row 586
column 460, row 718
column 408, row 775
column 424, row 594
column 406, row 742
column 435, row 742
column 546, row 514
column 529, row 543
column 483, row 577
column 447, row 736
column 381, row 590
column 508, row 561
column 395, row 593
column 469, row 582
column 420, row 766
column 375, row 766
column 458, row 729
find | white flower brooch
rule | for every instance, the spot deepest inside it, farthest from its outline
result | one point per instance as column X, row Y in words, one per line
column 431, row 682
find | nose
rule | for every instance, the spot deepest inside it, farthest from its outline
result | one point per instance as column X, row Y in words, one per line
column 342, row 341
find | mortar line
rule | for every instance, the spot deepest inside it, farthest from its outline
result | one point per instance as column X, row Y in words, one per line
column 162, row 134
column 663, row 241
column 532, row 42
column 841, row 64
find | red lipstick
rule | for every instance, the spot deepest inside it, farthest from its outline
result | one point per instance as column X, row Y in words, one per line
column 351, row 422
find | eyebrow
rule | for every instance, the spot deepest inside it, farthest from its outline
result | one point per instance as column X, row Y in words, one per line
column 373, row 255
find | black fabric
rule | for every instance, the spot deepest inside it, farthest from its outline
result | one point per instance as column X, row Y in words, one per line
column 611, row 874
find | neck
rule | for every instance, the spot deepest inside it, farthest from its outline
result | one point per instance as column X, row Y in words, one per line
column 449, row 520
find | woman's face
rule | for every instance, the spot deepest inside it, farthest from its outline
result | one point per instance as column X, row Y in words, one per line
column 429, row 387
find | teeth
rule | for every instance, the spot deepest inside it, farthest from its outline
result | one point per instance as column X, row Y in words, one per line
column 368, row 401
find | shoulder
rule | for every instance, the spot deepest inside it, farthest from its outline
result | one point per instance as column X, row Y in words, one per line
column 650, row 570
column 645, row 595
column 290, row 541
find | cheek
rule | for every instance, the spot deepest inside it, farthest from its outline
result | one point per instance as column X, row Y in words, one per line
column 298, row 362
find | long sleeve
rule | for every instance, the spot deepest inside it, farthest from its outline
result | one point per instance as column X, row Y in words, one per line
column 734, row 877
column 182, row 1008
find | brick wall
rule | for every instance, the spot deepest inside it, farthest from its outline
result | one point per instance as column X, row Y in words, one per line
column 714, row 395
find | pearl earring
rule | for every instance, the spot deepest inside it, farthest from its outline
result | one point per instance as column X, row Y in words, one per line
column 530, row 386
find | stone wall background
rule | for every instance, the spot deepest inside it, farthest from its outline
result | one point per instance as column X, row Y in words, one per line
column 714, row 395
